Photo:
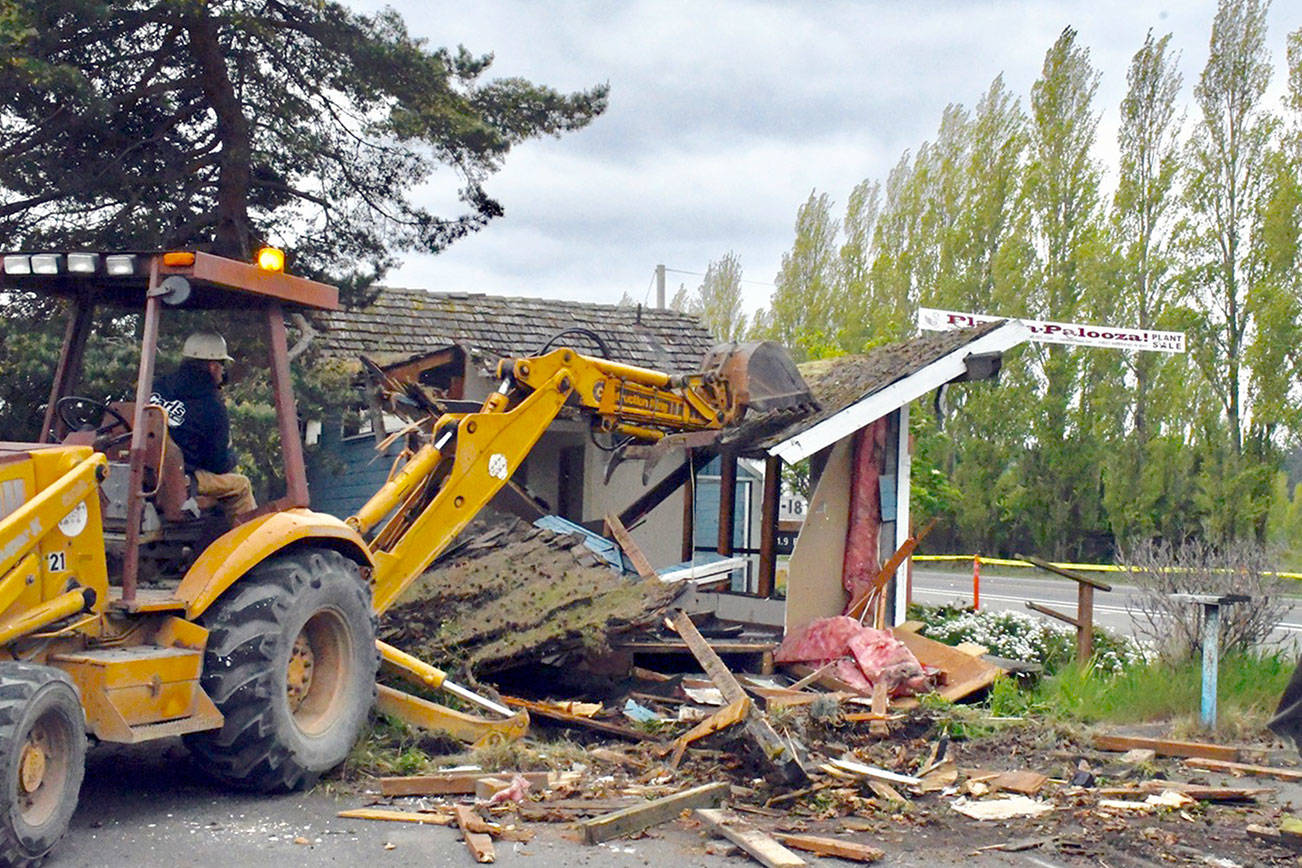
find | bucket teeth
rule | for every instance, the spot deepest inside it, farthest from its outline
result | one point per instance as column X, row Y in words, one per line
column 761, row 375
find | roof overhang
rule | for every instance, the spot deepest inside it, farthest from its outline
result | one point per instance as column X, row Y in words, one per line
column 875, row 405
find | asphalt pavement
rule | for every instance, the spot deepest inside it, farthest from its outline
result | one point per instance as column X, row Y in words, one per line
column 1001, row 591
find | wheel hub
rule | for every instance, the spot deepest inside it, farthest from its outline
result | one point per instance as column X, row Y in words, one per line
column 298, row 680
column 31, row 769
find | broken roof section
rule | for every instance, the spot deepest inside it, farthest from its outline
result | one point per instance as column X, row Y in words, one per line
column 402, row 323
column 854, row 391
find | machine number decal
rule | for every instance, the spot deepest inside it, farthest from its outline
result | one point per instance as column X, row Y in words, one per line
column 497, row 466
column 58, row 562
column 74, row 522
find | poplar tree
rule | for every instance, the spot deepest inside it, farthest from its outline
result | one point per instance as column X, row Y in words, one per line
column 803, row 311
column 717, row 300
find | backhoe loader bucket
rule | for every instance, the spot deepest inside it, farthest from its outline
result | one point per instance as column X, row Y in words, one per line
column 1287, row 722
column 762, row 376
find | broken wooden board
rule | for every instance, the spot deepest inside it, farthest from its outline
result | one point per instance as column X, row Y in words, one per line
column 830, row 847
column 628, row 821
column 1201, row 792
column 1026, row 782
column 452, row 783
column 777, row 751
column 964, row 674
column 725, row 717
column 631, row 550
column 479, row 844
column 542, row 709
column 762, row 848
column 1233, row 768
column 429, row 818
column 1167, row 747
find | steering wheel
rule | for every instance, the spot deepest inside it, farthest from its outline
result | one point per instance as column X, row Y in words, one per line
column 85, row 414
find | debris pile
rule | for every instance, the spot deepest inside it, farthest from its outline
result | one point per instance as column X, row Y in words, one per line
column 782, row 752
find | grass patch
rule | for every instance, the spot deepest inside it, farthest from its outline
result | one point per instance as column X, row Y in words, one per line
column 1250, row 687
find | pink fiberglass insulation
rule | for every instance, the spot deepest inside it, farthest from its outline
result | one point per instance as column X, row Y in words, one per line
column 860, row 564
column 864, row 656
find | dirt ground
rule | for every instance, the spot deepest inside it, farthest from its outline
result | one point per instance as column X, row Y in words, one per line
column 924, row 828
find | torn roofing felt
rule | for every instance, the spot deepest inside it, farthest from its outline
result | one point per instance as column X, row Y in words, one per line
column 401, row 323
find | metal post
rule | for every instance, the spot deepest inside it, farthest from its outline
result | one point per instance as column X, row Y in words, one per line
column 689, row 513
column 1211, row 661
column 282, row 390
column 976, row 583
column 136, row 457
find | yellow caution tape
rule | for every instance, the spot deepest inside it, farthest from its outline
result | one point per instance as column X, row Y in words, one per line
column 1084, row 568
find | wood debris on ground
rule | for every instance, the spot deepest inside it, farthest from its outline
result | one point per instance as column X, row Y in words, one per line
column 788, row 756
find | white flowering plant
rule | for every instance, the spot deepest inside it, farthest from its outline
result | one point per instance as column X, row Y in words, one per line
column 1022, row 636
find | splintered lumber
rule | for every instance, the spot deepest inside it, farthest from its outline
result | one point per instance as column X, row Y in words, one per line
column 630, row 820
column 813, row 676
column 732, row 713
column 762, row 848
column 479, row 844
column 542, row 709
column 1167, row 747
column 1201, row 792
column 429, row 818
column 452, row 783
column 775, row 750
column 866, row 771
column 964, row 674
column 1233, row 768
column 831, row 847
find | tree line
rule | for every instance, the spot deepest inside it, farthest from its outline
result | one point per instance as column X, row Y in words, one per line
column 1007, row 211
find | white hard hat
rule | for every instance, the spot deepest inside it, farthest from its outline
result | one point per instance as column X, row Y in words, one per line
column 206, row 346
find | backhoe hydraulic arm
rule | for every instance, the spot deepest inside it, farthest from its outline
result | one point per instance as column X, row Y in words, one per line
column 441, row 488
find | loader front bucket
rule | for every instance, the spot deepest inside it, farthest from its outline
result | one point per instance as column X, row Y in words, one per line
column 1287, row 722
column 761, row 375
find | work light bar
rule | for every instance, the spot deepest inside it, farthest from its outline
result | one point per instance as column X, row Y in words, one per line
column 47, row 263
column 83, row 263
column 18, row 264
column 120, row 265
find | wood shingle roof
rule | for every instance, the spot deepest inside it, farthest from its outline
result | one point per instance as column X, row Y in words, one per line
column 404, row 322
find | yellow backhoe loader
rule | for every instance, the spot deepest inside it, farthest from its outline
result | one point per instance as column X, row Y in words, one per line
column 129, row 612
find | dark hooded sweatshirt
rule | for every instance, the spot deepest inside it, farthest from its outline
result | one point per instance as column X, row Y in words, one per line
column 196, row 417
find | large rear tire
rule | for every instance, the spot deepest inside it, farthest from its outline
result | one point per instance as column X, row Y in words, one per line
column 42, row 760
column 291, row 664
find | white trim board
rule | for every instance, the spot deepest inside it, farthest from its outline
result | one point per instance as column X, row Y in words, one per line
column 897, row 394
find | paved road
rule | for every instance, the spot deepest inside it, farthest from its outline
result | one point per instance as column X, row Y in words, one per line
column 1002, row 591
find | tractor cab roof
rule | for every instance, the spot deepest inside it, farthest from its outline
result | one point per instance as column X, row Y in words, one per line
column 190, row 279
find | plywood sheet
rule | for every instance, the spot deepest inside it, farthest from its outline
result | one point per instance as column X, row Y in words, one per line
column 964, row 673
column 814, row 574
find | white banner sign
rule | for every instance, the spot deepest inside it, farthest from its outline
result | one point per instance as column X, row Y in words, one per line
column 1078, row 334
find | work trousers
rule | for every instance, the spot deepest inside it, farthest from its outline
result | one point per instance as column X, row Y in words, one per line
column 231, row 490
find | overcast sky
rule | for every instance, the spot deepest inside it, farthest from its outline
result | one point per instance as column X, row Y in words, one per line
column 725, row 114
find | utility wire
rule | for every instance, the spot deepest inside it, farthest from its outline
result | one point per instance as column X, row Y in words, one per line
column 701, row 274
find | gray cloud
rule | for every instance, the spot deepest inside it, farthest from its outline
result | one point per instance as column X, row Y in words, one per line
column 725, row 114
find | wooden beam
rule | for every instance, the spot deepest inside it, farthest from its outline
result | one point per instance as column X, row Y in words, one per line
column 1166, row 747
column 831, row 847
column 689, row 518
column 768, row 562
column 759, row 845
column 629, row 821
column 1052, row 613
column 658, row 493
column 479, row 844
column 1066, row 574
column 1084, row 622
column 727, row 501
column 630, row 548
column 1236, row 768
column 428, row 818
column 773, row 748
